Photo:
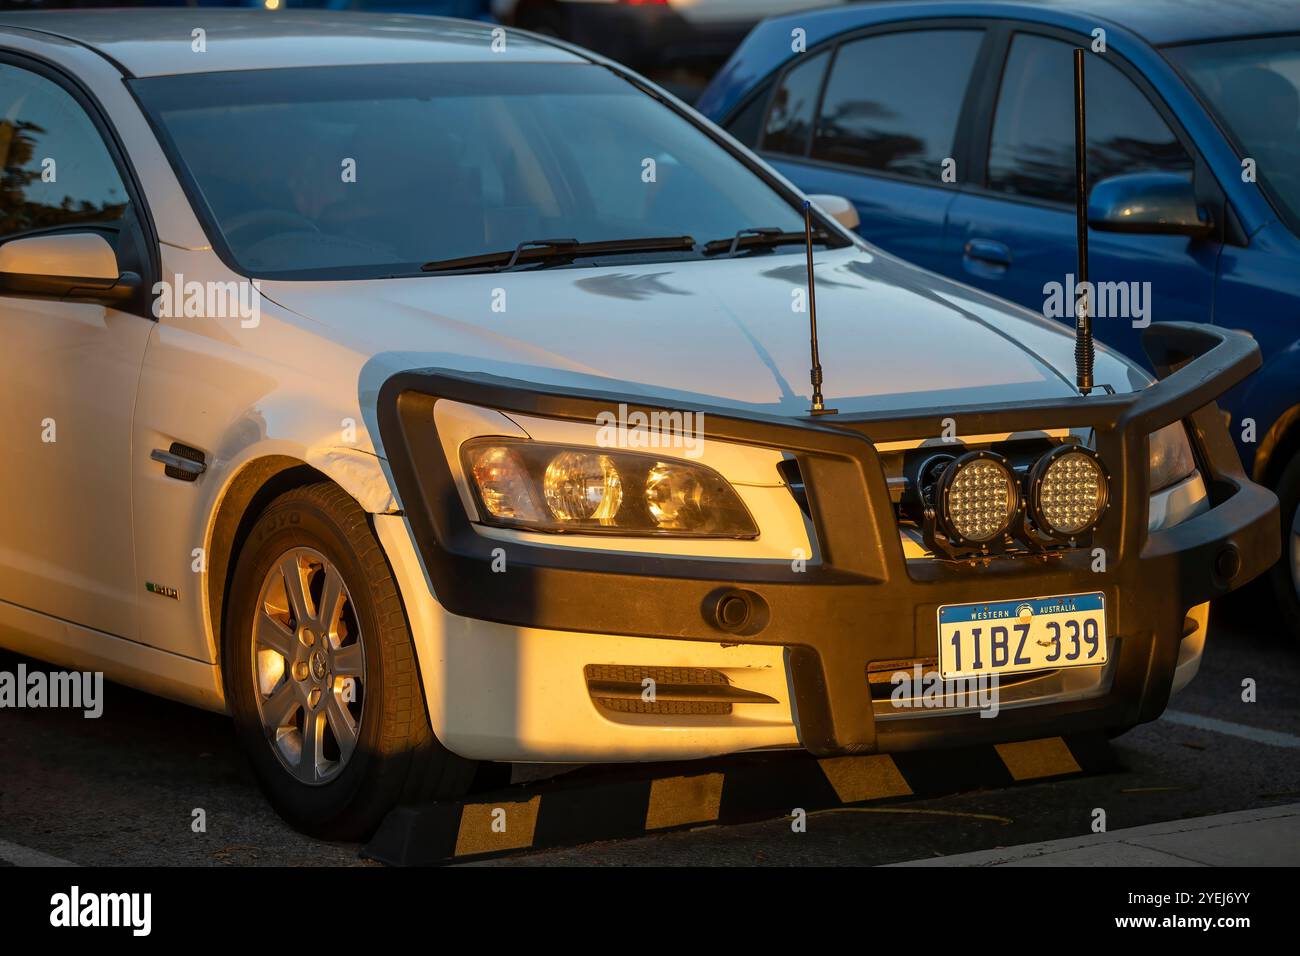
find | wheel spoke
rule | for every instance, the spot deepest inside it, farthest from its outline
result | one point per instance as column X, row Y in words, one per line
column 295, row 588
column 279, row 707
column 273, row 635
column 348, row 661
column 312, row 741
column 344, row 727
column 330, row 598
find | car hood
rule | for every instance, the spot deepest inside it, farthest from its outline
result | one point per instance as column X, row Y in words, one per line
column 715, row 332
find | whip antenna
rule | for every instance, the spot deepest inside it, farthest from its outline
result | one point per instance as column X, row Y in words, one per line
column 818, row 404
column 1083, row 350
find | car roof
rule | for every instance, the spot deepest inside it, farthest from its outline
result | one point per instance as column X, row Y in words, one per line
column 1162, row 22
column 154, row 42
column 1178, row 21
column 1159, row 22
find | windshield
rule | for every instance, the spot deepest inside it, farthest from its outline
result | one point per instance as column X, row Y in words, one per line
column 1253, row 87
column 367, row 171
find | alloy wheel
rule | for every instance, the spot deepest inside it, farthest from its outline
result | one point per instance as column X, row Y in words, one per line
column 308, row 666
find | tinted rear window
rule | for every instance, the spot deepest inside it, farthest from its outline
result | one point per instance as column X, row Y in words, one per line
column 892, row 102
column 790, row 115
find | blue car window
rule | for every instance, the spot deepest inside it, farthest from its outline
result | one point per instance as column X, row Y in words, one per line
column 790, row 118
column 746, row 124
column 879, row 113
column 1031, row 152
column 1253, row 87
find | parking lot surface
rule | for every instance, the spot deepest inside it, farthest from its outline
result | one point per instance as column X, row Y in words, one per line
column 124, row 789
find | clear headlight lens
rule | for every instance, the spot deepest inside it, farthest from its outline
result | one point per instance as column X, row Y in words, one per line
column 501, row 478
column 581, row 486
column 1170, row 455
column 543, row 487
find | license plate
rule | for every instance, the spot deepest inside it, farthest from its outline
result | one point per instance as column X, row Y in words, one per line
column 1004, row 637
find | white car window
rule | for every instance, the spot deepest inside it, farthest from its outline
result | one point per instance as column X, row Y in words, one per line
column 55, row 170
column 369, row 171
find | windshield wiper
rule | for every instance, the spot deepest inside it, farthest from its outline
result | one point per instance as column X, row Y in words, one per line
column 556, row 252
column 761, row 237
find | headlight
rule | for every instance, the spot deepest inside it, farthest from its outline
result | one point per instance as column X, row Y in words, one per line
column 1170, row 455
column 582, row 486
column 542, row 487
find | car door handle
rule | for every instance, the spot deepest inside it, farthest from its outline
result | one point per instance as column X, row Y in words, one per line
column 988, row 251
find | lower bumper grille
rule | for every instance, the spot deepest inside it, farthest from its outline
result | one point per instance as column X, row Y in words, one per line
column 623, row 688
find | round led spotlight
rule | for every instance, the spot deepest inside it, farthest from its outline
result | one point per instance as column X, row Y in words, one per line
column 1068, row 491
column 978, row 498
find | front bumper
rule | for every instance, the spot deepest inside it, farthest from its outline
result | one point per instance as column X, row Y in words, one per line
column 862, row 601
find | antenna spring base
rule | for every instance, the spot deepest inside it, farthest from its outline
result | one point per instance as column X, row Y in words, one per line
column 1084, row 356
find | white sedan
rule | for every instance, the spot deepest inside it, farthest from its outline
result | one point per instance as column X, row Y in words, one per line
column 424, row 393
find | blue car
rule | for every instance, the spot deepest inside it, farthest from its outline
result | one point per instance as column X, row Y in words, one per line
column 950, row 127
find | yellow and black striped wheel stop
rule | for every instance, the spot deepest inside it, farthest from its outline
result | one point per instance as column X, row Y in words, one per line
column 608, row 803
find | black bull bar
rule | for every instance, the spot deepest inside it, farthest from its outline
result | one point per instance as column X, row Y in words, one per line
column 861, row 600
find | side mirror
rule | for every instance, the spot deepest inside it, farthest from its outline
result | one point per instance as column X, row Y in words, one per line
column 838, row 208
column 69, row 265
column 1153, row 203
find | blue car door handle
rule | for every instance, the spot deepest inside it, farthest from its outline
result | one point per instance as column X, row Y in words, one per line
column 989, row 252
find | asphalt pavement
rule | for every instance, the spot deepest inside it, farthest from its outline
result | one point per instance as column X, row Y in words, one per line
column 124, row 789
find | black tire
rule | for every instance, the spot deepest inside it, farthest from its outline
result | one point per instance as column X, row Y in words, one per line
column 396, row 756
column 1282, row 575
